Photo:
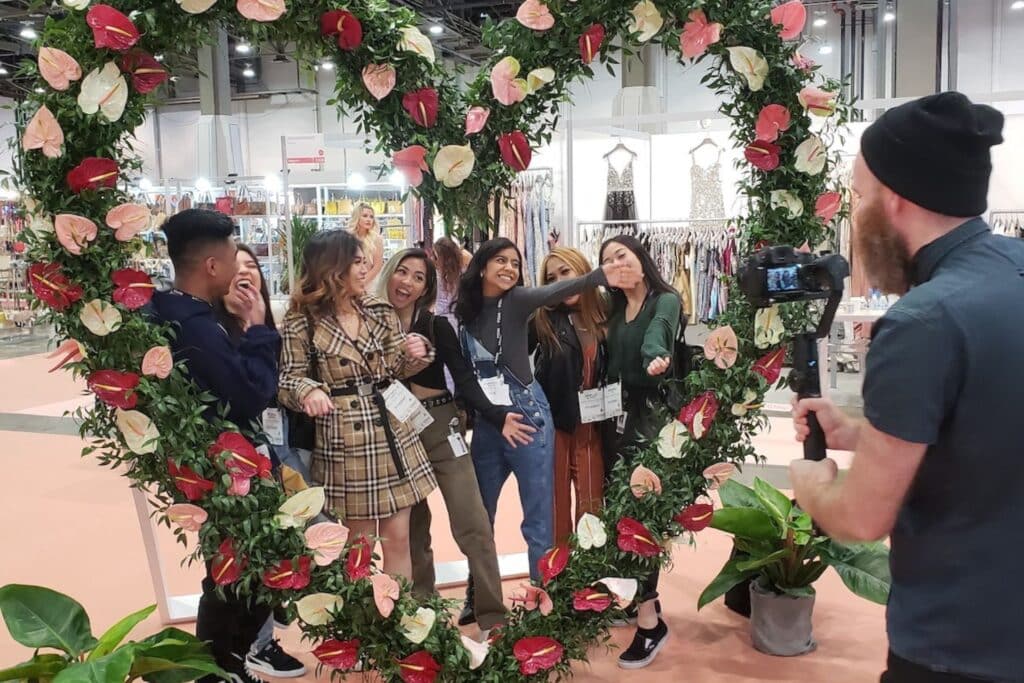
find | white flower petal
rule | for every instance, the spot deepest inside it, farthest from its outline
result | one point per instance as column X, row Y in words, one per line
column 105, row 91
column 591, row 532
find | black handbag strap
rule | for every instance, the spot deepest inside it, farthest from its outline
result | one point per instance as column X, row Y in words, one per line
column 314, row 367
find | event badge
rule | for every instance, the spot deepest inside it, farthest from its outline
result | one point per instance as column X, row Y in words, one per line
column 401, row 403
column 496, row 391
column 273, row 426
column 592, row 405
column 455, row 440
column 421, row 419
column 613, row 400
column 620, row 424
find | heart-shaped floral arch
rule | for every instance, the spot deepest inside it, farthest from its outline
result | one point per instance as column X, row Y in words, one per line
column 96, row 72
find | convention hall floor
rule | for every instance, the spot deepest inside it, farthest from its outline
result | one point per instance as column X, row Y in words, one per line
column 71, row 525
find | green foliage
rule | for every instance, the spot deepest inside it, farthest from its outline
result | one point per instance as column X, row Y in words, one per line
column 38, row 618
column 777, row 543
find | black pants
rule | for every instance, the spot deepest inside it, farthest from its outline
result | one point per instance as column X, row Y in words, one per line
column 229, row 625
column 901, row 671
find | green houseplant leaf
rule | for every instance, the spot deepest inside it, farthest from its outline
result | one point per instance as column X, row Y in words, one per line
column 39, row 617
column 863, row 568
column 746, row 523
column 777, row 504
column 116, row 633
column 736, row 495
column 113, row 668
column 41, row 667
column 728, row 578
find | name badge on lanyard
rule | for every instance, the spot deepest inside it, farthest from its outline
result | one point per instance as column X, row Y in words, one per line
column 496, row 390
column 401, row 403
column 601, row 404
column 273, row 426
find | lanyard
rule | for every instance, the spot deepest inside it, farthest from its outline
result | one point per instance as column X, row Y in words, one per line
column 497, row 333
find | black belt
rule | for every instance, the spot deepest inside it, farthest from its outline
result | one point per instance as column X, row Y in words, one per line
column 371, row 390
column 363, row 390
column 442, row 400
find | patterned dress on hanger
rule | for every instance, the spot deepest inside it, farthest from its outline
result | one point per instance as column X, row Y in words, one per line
column 620, row 202
column 707, row 201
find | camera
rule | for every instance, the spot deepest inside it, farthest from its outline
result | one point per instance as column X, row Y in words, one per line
column 783, row 274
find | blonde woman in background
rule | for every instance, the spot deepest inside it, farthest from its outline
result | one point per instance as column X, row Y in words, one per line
column 363, row 224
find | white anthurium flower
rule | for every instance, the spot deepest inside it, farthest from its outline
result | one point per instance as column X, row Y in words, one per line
column 319, row 609
column 811, row 156
column 301, row 507
column 538, row 78
column 196, row 6
column 789, row 201
column 104, row 90
column 416, row 627
column 671, row 440
column 138, row 431
column 77, row 4
column 413, row 40
column 768, row 327
column 750, row 64
column 477, row 651
column 624, row 590
column 453, row 164
column 749, row 403
column 100, row 317
column 591, row 532
column 647, row 20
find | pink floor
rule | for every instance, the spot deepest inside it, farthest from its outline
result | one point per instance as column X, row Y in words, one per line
column 71, row 525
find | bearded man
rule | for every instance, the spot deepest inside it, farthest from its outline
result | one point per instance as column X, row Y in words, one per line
column 939, row 464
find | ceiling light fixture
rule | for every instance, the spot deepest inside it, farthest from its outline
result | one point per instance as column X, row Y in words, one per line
column 397, row 178
column 203, row 185
column 145, row 184
column 248, row 72
column 28, row 33
column 327, row 65
column 436, row 30
column 4, row 71
column 1019, row 4
column 889, row 16
column 356, row 181
column 820, row 21
column 243, row 48
column 825, row 49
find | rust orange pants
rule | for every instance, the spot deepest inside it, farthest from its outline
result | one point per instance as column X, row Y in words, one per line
column 578, row 464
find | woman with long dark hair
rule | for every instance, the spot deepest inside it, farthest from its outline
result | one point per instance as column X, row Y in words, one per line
column 450, row 260
column 372, row 465
column 572, row 357
column 643, row 324
column 409, row 282
column 494, row 310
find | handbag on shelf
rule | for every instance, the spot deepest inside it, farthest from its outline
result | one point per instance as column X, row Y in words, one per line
column 204, row 200
column 242, row 205
column 395, row 206
column 345, row 207
column 378, row 206
column 258, row 203
column 225, row 204
column 184, row 203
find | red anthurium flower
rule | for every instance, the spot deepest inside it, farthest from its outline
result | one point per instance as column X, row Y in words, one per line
column 92, row 174
column 288, row 574
column 338, row 654
column 515, row 150
column 696, row 517
column 763, row 155
column 769, row 366
column 111, row 29
column 188, row 482
column 147, row 73
column 790, row 17
column 700, row 413
column 360, row 555
column 591, row 600
column 590, row 42
column 134, row 288
column 343, row 24
column 244, row 458
column 419, row 667
column 773, row 119
column 115, row 388
column 553, row 563
column 828, row 206
column 52, row 287
column 227, row 566
column 537, row 653
column 422, row 106
column 635, row 538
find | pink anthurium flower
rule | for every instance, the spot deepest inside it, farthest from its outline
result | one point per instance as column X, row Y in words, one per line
column 644, row 481
column 698, row 35
column 476, row 119
column 128, row 220
column 70, row 351
column 534, row 597
column 817, row 101
column 43, row 132
column 537, row 653
column 764, row 156
column 379, row 80
column 412, row 162
column 261, row 10
column 58, row 68
column 187, row 516
column 802, row 63
column 827, row 206
column 590, row 42
column 158, row 362
column 74, row 232
column 722, row 347
column 515, row 150
column 327, row 541
column 111, row 29
column 505, row 87
column 385, row 592
column 773, row 120
column 791, row 18
column 719, row 473
column 536, row 15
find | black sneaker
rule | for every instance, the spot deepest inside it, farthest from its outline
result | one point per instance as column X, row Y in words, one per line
column 468, row 614
column 273, row 661
column 281, row 619
column 238, row 672
column 646, row 645
column 629, row 614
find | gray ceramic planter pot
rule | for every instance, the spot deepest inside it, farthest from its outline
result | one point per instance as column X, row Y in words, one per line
column 781, row 624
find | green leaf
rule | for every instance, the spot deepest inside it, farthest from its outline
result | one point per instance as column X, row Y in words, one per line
column 864, row 569
column 736, row 495
column 799, row 591
column 745, row 523
column 156, row 670
column 39, row 617
column 41, row 667
column 116, row 633
column 113, row 668
column 727, row 579
column 778, row 505
column 757, row 563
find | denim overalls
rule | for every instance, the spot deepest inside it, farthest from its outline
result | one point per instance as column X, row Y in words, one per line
column 533, row 464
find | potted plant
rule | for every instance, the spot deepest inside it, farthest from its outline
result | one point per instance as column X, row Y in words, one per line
column 40, row 618
column 302, row 230
column 782, row 554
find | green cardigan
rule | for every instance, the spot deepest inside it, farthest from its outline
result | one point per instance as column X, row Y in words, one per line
column 633, row 345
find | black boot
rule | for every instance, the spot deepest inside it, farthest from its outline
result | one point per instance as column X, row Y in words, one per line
column 468, row 614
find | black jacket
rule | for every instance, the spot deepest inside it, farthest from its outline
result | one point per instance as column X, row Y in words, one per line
column 560, row 370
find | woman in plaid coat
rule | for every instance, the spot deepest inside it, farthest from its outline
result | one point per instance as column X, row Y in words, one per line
column 341, row 349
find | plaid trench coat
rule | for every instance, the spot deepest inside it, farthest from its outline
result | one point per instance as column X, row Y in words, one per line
column 362, row 477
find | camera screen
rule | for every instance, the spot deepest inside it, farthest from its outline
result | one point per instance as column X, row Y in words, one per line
column 782, row 279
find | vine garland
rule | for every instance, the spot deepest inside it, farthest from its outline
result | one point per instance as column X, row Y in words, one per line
column 97, row 71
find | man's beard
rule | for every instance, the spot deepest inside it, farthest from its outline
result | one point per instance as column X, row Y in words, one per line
column 888, row 265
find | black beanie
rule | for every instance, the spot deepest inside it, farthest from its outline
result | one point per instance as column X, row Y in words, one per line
column 935, row 152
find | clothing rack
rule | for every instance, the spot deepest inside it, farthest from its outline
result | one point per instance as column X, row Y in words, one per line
column 525, row 215
column 1009, row 223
